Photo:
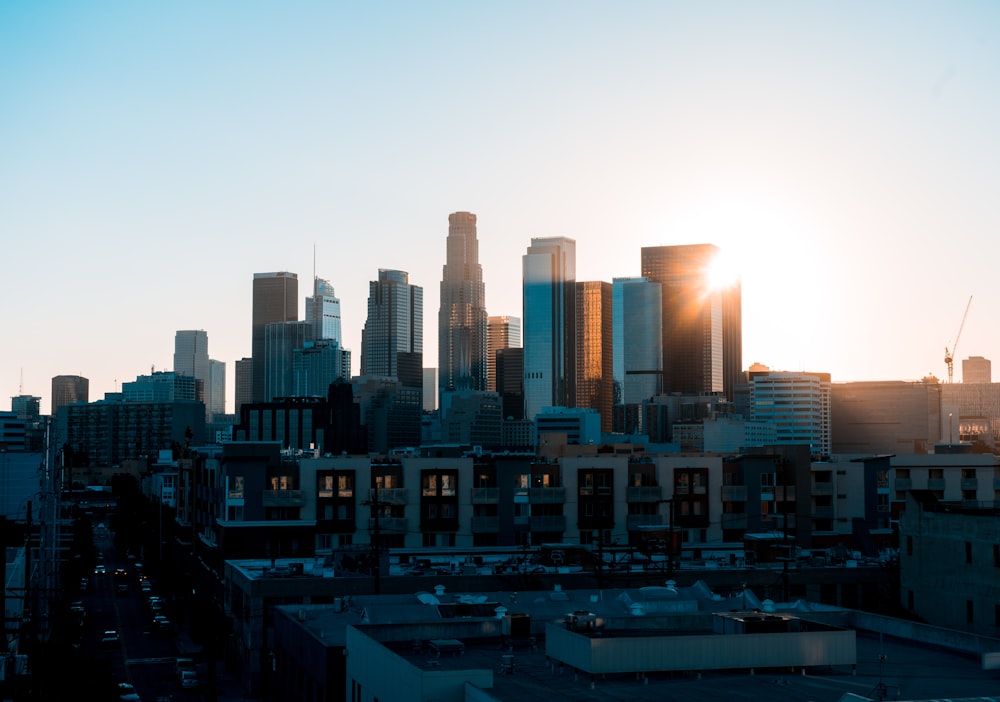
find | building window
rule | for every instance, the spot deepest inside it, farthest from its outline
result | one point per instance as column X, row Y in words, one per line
column 326, row 486
column 430, row 485
column 345, row 486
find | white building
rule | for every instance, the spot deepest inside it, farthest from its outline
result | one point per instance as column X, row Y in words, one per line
column 798, row 404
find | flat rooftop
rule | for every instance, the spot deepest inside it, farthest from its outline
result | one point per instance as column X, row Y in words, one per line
column 908, row 672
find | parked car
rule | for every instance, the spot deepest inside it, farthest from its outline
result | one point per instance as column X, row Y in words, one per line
column 127, row 693
column 110, row 639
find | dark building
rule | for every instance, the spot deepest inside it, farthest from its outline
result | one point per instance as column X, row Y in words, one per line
column 275, row 299
column 106, row 433
column 702, row 325
column 510, row 382
column 330, row 425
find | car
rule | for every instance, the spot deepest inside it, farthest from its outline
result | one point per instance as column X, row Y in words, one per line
column 184, row 664
column 110, row 639
column 189, row 679
column 161, row 622
column 99, row 569
column 127, row 693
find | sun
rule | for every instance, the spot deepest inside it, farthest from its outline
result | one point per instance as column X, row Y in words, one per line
column 722, row 272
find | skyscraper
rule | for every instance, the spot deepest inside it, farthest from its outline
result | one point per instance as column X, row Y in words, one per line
column 549, row 300
column 638, row 339
column 217, row 385
column 281, row 341
column 462, row 362
column 243, row 387
column 392, row 341
column 323, row 311
column 275, row 299
column 502, row 332
column 68, row 390
column 702, row 327
column 594, row 366
column 799, row 406
column 191, row 359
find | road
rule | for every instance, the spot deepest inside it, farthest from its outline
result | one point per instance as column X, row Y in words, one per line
column 144, row 655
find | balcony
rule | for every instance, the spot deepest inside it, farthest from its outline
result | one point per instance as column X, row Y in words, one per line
column 485, row 525
column 644, row 493
column 734, row 493
column 485, row 496
column 935, row 483
column 784, row 493
column 996, row 483
column 283, row 498
column 389, row 496
column 548, row 523
column 389, row 525
column 547, row 496
column 634, row 521
column 970, row 483
column 902, row 484
column 824, row 488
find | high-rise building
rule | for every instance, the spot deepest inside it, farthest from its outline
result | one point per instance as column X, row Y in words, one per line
column 243, row 389
column 799, row 406
column 68, row 390
column 393, row 337
column 217, row 388
column 976, row 369
column 510, row 382
column 702, row 324
column 275, row 299
column 323, row 311
column 502, row 332
column 26, row 407
column 462, row 360
column 637, row 349
column 191, row 359
column 281, row 341
column 594, row 354
column 316, row 365
column 549, row 300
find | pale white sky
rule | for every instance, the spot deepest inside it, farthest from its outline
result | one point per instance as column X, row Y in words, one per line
column 154, row 156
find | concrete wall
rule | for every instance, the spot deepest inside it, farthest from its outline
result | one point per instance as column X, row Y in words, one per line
column 699, row 652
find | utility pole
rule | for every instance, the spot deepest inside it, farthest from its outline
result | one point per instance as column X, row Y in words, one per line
column 376, row 540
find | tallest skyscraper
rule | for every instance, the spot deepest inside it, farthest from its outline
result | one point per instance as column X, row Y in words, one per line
column 462, row 337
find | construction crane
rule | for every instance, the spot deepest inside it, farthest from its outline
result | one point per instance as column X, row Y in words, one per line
column 949, row 356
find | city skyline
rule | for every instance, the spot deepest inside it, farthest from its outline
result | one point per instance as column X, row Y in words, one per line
column 154, row 159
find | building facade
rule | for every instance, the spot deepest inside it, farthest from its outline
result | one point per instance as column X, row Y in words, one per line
column 637, row 347
column 594, row 349
column 549, row 300
column 976, row 369
column 798, row 404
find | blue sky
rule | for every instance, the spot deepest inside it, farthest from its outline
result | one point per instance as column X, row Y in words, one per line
column 153, row 156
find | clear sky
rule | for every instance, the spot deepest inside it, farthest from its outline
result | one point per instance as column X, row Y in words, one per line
column 154, row 156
